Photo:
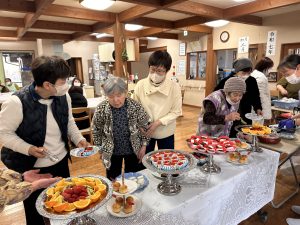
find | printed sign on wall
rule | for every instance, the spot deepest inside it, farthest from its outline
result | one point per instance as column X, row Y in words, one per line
column 243, row 45
column 271, row 43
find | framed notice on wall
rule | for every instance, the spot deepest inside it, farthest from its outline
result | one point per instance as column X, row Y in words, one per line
column 182, row 49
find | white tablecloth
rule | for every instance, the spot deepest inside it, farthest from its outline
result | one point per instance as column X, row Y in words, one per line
column 227, row 199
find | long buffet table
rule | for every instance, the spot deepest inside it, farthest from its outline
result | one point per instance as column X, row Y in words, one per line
column 225, row 199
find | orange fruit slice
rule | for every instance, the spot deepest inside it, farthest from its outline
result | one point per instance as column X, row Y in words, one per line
column 60, row 207
column 98, row 181
column 50, row 204
column 70, row 207
column 81, row 204
column 95, row 196
column 102, row 188
column 50, row 191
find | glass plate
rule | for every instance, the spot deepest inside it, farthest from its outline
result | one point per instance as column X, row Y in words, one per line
column 84, row 152
column 136, row 207
column 136, row 178
column 131, row 186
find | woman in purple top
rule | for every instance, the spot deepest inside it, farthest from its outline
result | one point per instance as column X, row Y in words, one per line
column 220, row 108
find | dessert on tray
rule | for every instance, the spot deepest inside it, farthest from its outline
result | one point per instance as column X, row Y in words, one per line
column 166, row 160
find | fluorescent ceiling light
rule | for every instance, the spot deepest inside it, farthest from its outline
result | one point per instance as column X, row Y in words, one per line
column 152, row 38
column 217, row 23
column 102, row 35
column 96, row 4
column 94, row 34
column 133, row 27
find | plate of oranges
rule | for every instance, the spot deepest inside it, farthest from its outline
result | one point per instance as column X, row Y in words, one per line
column 74, row 196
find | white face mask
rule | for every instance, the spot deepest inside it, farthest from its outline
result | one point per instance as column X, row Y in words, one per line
column 293, row 79
column 8, row 83
column 77, row 84
column 62, row 89
column 231, row 102
column 155, row 78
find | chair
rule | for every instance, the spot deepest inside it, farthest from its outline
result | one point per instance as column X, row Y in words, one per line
column 81, row 114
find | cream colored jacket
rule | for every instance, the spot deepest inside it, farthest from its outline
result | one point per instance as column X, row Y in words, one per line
column 162, row 103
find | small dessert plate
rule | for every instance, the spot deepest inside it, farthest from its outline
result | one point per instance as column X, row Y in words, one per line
column 84, row 152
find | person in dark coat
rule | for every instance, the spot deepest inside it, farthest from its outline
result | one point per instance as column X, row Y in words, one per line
column 78, row 100
column 251, row 99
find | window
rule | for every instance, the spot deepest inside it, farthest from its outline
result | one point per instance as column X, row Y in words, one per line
column 196, row 65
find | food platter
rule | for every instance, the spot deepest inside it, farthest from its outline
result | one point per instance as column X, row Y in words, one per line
column 238, row 158
column 131, row 186
column 169, row 162
column 141, row 179
column 84, row 152
column 135, row 208
column 61, row 186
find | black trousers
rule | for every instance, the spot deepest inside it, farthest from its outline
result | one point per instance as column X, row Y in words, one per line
column 131, row 165
column 60, row 169
column 164, row 143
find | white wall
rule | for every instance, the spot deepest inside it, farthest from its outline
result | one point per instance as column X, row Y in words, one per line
column 83, row 49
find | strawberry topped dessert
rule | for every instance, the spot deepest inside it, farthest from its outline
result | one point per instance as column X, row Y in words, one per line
column 166, row 160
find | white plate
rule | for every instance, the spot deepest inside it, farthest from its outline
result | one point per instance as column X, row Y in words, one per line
column 131, row 186
column 81, row 153
column 136, row 207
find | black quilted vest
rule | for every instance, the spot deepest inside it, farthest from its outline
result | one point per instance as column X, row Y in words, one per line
column 33, row 127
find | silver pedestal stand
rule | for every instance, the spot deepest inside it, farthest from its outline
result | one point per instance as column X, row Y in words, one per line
column 169, row 186
column 210, row 166
column 254, row 145
column 80, row 218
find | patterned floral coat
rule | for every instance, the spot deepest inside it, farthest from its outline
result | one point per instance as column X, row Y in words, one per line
column 103, row 128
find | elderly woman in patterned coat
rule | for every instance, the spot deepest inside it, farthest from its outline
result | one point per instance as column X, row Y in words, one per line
column 220, row 109
column 117, row 124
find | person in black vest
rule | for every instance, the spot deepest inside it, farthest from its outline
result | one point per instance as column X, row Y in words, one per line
column 37, row 120
column 251, row 99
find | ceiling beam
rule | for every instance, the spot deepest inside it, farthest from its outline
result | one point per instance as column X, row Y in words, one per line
column 168, row 3
column 8, row 33
column 198, row 9
column 11, row 22
column 153, row 3
column 167, row 36
column 151, row 31
column 199, row 29
column 98, row 27
column 17, row 6
column 256, row 6
column 31, row 18
column 79, row 13
column 151, row 22
column 41, row 35
column 135, row 12
column 52, row 25
column 189, row 21
column 248, row 19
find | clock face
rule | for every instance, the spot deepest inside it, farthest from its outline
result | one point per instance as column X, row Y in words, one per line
column 224, row 36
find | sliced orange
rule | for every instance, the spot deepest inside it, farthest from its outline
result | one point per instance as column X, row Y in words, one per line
column 59, row 199
column 98, row 181
column 60, row 207
column 61, row 182
column 50, row 191
column 50, row 204
column 95, row 196
column 102, row 188
column 70, row 207
column 90, row 179
column 59, row 188
column 81, row 204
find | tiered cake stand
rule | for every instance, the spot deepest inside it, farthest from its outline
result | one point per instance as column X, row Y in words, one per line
column 81, row 217
column 169, row 186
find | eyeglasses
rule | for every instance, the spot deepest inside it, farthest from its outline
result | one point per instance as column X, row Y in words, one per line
column 154, row 69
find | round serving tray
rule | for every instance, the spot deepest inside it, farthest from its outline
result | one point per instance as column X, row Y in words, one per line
column 147, row 162
column 68, row 215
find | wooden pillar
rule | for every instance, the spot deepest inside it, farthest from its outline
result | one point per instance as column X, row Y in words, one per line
column 137, row 49
column 211, row 66
column 120, row 45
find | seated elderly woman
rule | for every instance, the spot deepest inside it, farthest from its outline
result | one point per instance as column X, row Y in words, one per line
column 117, row 124
column 220, row 108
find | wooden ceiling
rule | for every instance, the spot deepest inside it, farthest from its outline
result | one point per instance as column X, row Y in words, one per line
column 67, row 20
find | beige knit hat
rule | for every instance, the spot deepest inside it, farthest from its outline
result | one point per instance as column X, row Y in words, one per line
column 235, row 84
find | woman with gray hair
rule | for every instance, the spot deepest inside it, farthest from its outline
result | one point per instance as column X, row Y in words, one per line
column 116, row 129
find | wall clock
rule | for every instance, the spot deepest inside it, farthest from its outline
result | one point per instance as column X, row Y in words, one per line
column 224, row 36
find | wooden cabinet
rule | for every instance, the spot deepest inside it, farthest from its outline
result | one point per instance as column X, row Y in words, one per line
column 106, row 51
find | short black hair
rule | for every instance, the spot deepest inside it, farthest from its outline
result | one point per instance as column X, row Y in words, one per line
column 75, row 78
column 264, row 64
column 75, row 89
column 7, row 78
column 247, row 70
column 49, row 68
column 160, row 58
column 290, row 62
